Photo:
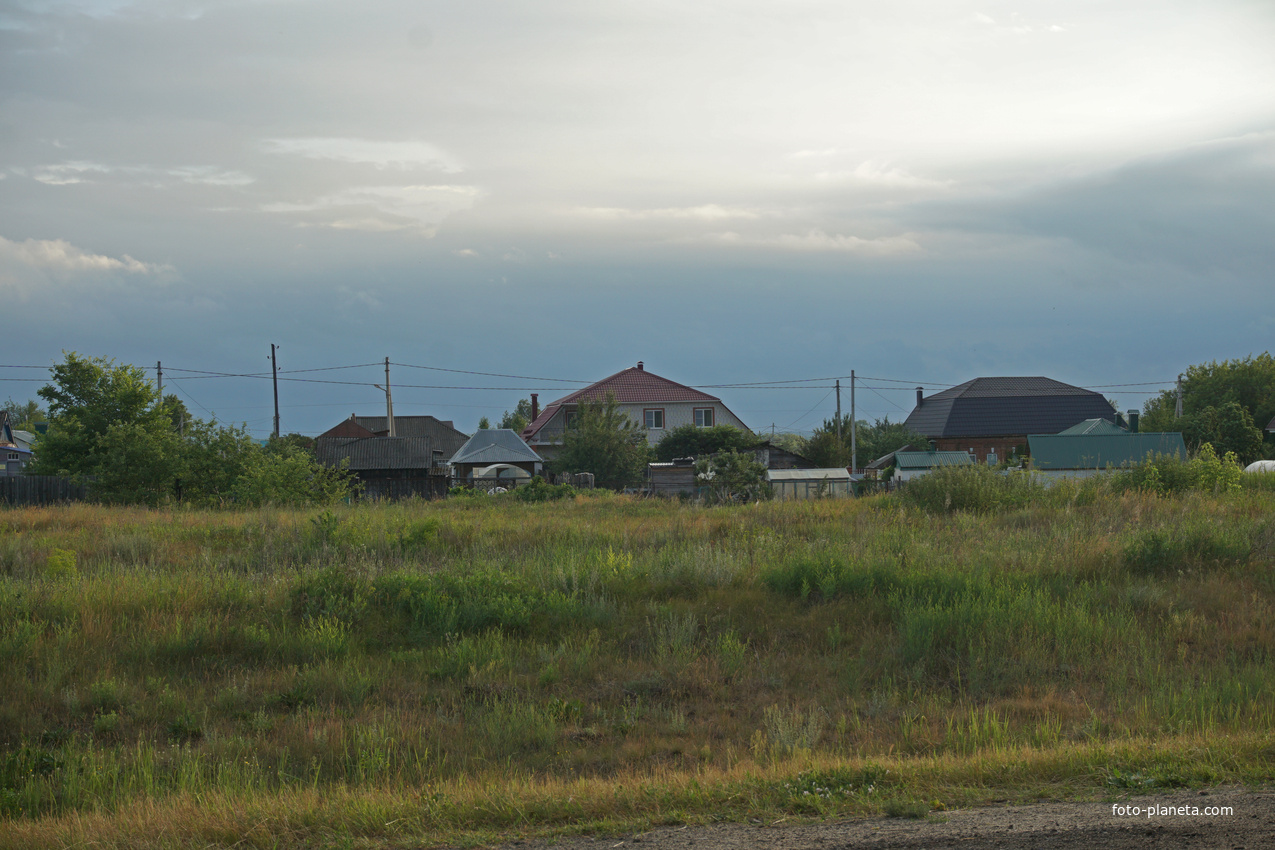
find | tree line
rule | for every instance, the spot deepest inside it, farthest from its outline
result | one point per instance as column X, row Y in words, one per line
column 109, row 425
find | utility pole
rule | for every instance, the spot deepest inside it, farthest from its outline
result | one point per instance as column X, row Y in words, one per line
column 274, row 372
column 854, row 448
column 389, row 400
column 838, row 412
column 1177, row 409
column 159, row 381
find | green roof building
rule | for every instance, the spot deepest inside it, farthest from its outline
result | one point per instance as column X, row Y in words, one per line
column 1079, row 455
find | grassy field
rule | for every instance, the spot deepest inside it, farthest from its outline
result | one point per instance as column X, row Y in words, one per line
column 453, row 672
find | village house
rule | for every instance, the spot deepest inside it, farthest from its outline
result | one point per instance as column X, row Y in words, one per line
column 657, row 404
column 990, row 418
column 15, row 451
column 412, row 462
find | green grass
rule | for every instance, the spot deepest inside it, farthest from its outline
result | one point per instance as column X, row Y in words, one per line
column 453, row 671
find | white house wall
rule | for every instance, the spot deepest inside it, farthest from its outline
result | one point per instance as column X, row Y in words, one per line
column 676, row 414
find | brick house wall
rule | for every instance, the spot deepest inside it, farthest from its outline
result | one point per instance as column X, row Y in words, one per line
column 981, row 447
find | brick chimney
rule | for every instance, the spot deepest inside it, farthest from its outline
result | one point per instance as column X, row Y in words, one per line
column 641, row 368
column 535, row 406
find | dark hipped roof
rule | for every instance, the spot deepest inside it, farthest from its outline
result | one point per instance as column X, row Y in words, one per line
column 993, row 407
column 366, row 453
column 1099, row 451
column 495, row 445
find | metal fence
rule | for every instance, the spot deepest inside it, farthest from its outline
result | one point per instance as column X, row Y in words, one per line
column 20, row 490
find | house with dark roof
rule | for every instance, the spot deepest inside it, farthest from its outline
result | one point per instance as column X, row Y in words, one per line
column 15, row 452
column 991, row 417
column 655, row 403
column 413, row 462
column 495, row 453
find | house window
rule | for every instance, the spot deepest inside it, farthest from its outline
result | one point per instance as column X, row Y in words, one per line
column 704, row 417
column 654, row 417
column 569, row 418
column 13, row 455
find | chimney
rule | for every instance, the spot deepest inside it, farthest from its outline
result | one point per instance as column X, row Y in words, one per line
column 1133, row 421
column 641, row 368
column 919, row 397
column 535, row 406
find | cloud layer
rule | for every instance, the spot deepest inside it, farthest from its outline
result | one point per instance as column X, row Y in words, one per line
column 1063, row 186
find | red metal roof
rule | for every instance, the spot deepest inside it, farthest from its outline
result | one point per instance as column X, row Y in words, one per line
column 631, row 386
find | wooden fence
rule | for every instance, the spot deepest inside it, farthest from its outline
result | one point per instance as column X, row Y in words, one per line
column 19, row 490
column 426, row 487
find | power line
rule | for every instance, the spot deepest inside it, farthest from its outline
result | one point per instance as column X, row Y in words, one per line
column 808, row 412
column 491, row 374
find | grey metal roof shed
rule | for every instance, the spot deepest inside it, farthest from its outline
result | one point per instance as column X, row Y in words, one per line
column 495, row 445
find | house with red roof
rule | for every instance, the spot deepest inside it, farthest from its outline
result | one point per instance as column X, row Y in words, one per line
column 657, row 404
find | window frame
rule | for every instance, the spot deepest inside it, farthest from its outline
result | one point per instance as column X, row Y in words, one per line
column 647, row 418
column 712, row 417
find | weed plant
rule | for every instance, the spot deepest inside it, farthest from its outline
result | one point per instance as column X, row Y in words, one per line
column 492, row 664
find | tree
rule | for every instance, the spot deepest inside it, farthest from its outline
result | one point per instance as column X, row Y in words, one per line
column 284, row 442
column 1207, row 389
column 87, row 397
column 289, row 475
column 484, row 424
column 693, row 441
column 1228, row 428
column 25, row 416
column 213, row 458
column 602, row 440
column 520, row 418
column 872, row 440
column 794, row 443
column 732, row 477
column 133, row 463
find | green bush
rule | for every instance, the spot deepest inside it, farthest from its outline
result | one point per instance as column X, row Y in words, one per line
column 290, row 476
column 1167, row 474
column 539, row 490
column 976, row 488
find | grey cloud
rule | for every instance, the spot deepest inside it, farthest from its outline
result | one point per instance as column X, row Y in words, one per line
column 1205, row 207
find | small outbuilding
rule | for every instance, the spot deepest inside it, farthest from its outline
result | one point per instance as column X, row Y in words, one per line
column 495, row 453
column 810, row 483
column 1082, row 455
column 909, row 465
column 671, row 479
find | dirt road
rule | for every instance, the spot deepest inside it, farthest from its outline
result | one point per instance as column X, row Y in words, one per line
column 1186, row 819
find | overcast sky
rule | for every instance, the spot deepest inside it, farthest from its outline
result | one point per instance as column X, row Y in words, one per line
column 921, row 191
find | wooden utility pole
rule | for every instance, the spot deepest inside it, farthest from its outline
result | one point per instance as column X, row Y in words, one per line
column 159, row 380
column 838, row 413
column 1177, row 408
column 389, row 401
column 854, row 448
column 274, row 376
